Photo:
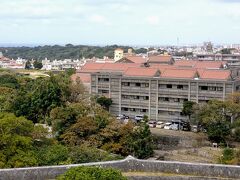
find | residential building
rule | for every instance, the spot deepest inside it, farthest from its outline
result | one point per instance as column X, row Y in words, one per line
column 118, row 54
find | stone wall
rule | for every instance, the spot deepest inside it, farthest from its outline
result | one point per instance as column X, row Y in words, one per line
column 126, row 165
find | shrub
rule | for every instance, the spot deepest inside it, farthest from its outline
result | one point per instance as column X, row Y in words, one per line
column 92, row 173
column 227, row 156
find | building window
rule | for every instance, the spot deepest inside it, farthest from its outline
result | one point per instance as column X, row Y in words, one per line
column 204, row 88
column 132, row 109
column 124, row 109
column 125, row 96
column 212, row 88
column 219, row 88
column 166, row 99
column 145, row 85
column 103, row 79
column 103, row 91
column 136, row 97
column 145, row 97
column 171, row 112
column 138, row 84
column 176, row 100
column 126, row 84
column 169, row 86
column 143, row 110
column 180, row 86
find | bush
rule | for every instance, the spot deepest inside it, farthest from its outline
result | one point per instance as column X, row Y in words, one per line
column 84, row 154
column 227, row 156
column 92, row 173
column 52, row 155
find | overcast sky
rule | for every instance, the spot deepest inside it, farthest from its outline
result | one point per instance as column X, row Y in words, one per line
column 134, row 22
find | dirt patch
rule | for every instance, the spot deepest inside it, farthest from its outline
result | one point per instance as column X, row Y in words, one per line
column 184, row 146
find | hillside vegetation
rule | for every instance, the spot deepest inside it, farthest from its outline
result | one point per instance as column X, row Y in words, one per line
column 68, row 51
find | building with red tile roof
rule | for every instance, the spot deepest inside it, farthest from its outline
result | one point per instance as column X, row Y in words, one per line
column 159, row 90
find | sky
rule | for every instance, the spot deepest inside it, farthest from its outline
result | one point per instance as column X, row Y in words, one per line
column 122, row 22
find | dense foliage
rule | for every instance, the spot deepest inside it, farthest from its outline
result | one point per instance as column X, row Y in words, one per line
column 16, row 143
column 220, row 118
column 83, row 131
column 92, row 173
column 68, row 51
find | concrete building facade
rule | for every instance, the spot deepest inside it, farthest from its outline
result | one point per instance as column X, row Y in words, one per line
column 159, row 91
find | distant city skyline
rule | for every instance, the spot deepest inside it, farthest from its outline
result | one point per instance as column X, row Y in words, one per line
column 125, row 22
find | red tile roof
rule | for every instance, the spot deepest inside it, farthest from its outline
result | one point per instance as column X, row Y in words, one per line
column 136, row 59
column 117, row 67
column 160, row 58
column 199, row 64
column 141, row 72
column 215, row 74
column 166, row 71
column 179, row 73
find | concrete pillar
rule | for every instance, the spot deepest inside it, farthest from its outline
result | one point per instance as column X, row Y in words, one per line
column 96, row 84
column 197, row 86
column 189, row 91
column 157, row 102
column 149, row 101
column 120, row 96
column 224, row 90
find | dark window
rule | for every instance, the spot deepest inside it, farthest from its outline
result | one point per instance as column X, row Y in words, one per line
column 169, row 86
column 103, row 79
column 180, row 86
column 138, row 84
column 104, row 91
column 212, row 88
column 204, row 88
column 143, row 110
column 166, row 99
column 136, row 97
column 145, row 97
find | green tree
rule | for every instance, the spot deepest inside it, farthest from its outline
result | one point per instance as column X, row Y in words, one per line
column 142, row 142
column 104, row 102
column 218, row 131
column 188, row 108
column 28, row 65
column 92, row 173
column 37, row 65
column 7, row 96
column 215, row 117
column 39, row 97
column 16, row 143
